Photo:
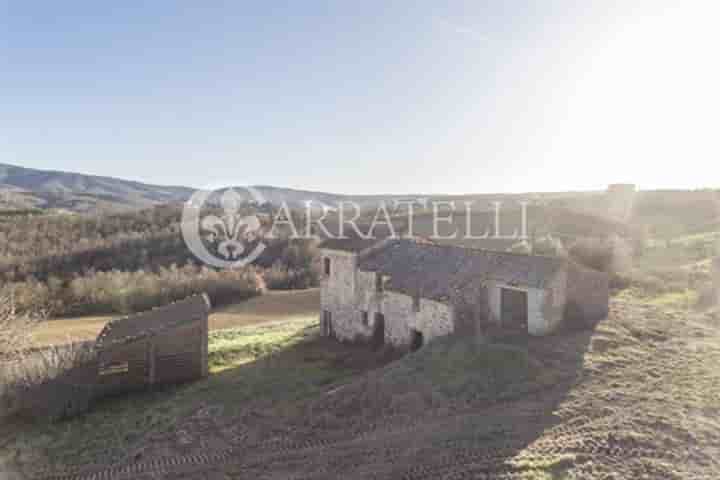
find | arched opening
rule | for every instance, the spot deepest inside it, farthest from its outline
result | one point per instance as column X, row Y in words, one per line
column 416, row 341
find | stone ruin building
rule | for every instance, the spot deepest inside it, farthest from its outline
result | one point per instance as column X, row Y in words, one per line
column 407, row 291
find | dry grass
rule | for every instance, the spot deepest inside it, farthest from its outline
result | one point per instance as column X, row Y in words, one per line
column 14, row 329
column 635, row 398
column 23, row 369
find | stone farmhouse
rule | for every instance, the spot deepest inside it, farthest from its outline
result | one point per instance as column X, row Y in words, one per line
column 407, row 291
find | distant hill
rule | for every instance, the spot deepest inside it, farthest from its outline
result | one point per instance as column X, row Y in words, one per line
column 663, row 213
column 26, row 188
column 22, row 188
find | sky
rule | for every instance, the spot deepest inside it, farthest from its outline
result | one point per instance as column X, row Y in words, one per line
column 365, row 97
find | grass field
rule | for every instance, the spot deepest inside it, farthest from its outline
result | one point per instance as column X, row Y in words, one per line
column 274, row 305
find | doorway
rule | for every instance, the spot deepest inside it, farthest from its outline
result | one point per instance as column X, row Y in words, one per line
column 379, row 330
column 326, row 326
column 417, row 340
column 514, row 309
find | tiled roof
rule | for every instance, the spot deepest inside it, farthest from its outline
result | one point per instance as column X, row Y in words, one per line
column 154, row 321
column 354, row 243
column 436, row 271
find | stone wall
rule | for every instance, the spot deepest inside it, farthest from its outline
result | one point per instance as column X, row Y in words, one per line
column 536, row 302
column 337, row 293
column 348, row 292
column 588, row 296
column 433, row 319
column 574, row 293
column 471, row 310
column 546, row 306
column 553, row 309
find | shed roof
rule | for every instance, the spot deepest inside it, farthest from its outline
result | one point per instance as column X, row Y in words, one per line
column 437, row 271
column 153, row 321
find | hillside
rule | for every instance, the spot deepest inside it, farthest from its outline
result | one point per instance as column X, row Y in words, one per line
column 29, row 187
column 22, row 187
column 636, row 397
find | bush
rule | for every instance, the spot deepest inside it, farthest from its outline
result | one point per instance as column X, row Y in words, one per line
column 295, row 267
column 593, row 253
column 23, row 371
column 122, row 292
column 128, row 292
column 50, row 383
column 14, row 328
column 620, row 281
column 280, row 277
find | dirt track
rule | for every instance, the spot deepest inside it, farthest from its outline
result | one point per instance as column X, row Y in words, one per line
column 636, row 398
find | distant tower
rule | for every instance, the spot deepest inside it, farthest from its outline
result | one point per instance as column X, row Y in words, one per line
column 620, row 197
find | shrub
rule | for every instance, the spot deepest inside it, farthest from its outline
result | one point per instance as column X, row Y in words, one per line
column 23, row 371
column 280, row 277
column 50, row 383
column 593, row 253
column 14, row 329
column 124, row 292
column 295, row 267
column 620, row 281
column 127, row 292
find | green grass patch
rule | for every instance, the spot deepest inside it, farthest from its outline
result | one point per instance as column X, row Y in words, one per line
column 683, row 299
column 236, row 346
column 459, row 369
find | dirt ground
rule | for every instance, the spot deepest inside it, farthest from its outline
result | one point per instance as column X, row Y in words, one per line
column 636, row 397
column 274, row 305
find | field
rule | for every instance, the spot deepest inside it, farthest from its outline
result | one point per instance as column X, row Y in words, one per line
column 638, row 395
column 274, row 305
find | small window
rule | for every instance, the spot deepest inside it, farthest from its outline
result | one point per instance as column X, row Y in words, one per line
column 326, row 262
column 416, row 303
column 379, row 283
column 364, row 317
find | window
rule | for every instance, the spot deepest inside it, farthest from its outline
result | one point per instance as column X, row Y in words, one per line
column 416, row 303
column 326, row 266
column 379, row 284
column 364, row 317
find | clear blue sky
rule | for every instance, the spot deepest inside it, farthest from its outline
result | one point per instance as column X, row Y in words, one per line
column 364, row 97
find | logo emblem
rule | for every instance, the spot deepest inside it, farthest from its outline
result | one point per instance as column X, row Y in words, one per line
column 225, row 237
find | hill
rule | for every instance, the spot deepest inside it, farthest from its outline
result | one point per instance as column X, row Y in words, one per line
column 28, row 187
column 22, row 188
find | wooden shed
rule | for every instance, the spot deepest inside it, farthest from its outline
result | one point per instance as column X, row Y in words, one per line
column 162, row 346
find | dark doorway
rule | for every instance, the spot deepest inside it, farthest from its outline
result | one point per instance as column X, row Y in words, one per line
column 417, row 341
column 514, row 309
column 379, row 330
column 326, row 326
